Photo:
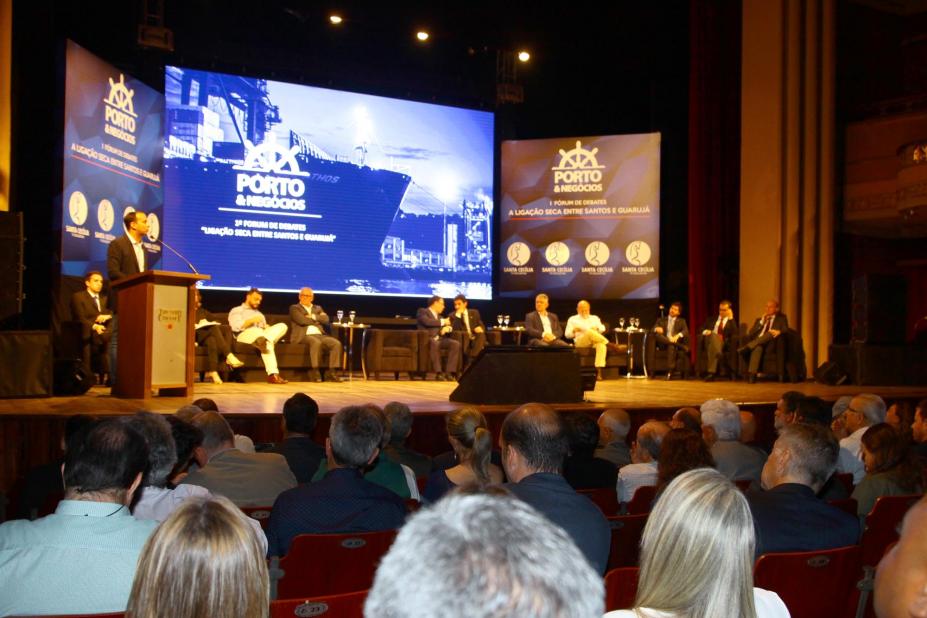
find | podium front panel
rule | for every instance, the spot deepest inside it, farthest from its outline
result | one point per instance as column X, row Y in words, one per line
column 169, row 336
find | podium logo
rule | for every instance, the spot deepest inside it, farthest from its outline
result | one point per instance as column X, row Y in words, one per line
column 276, row 181
column 578, row 171
column 119, row 111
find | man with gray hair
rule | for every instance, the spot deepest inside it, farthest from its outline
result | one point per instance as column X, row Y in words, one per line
column 614, row 425
column 642, row 472
column 482, row 556
column 534, row 444
column 343, row 500
column 864, row 411
column 247, row 479
column 400, row 422
column 721, row 428
column 788, row 516
column 308, row 322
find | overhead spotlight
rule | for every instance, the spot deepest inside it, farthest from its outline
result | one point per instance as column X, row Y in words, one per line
column 524, row 56
column 421, row 35
column 335, row 19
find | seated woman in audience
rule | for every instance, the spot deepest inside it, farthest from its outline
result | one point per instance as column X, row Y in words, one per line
column 469, row 436
column 204, row 560
column 697, row 555
column 891, row 469
column 682, row 450
column 900, row 416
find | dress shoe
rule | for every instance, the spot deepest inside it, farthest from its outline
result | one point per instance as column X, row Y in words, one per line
column 710, row 377
column 275, row 378
column 261, row 344
column 214, row 376
column 614, row 347
column 233, row 361
column 331, row 376
column 669, row 376
column 314, row 375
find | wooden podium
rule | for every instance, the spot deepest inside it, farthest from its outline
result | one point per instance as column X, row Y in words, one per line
column 155, row 341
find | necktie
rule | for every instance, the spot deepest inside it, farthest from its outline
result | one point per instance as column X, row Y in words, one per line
column 96, row 301
column 766, row 323
column 721, row 327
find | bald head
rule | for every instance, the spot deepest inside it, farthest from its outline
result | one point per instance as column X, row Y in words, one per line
column 687, row 418
column 539, row 435
column 649, row 439
column 614, row 425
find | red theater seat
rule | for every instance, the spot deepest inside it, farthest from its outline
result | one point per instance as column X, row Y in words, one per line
column 642, row 500
column 349, row 605
column 812, row 584
column 626, row 540
column 259, row 513
column 606, row 498
column 621, row 588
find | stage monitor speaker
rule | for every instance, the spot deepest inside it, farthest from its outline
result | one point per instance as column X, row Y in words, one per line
column 11, row 265
column 27, row 364
column 71, row 378
column 878, row 308
column 516, row 375
column 830, row 373
column 881, row 365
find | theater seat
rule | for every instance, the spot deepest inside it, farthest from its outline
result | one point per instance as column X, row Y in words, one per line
column 812, row 584
column 392, row 350
column 259, row 513
column 348, row 605
column 606, row 498
column 642, row 500
column 325, row 564
column 621, row 588
column 626, row 540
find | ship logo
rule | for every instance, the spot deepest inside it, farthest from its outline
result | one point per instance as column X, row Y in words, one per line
column 270, row 158
column 120, row 97
column 579, row 171
column 578, row 158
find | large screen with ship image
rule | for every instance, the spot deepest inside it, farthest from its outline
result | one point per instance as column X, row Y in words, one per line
column 280, row 186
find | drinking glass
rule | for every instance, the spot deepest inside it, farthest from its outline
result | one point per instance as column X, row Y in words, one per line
column 339, row 315
column 351, row 315
column 505, row 320
column 635, row 322
column 499, row 319
column 621, row 323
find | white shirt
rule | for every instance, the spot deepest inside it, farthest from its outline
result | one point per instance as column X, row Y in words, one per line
column 768, row 605
column 139, row 253
column 589, row 323
column 670, row 325
column 849, row 458
column 635, row 475
column 312, row 329
column 410, row 481
column 545, row 324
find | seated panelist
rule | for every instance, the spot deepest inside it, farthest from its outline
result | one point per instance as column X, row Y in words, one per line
column 429, row 319
column 542, row 326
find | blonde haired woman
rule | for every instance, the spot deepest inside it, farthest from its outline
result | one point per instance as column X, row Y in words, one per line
column 697, row 555
column 204, row 560
column 471, row 440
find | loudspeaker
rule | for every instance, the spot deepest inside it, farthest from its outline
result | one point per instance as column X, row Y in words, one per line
column 11, row 265
column 878, row 308
column 881, row 365
column 516, row 374
column 71, row 378
column 27, row 364
column 830, row 373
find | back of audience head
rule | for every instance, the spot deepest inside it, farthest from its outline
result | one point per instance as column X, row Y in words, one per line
column 354, row 437
column 482, row 556
column 687, row 418
column 919, row 426
column 648, row 442
column 885, row 450
column 300, row 413
column 697, row 549
column 384, row 422
column 203, row 560
column 583, row 434
column 217, row 433
column 400, row 421
column 723, row 417
column 188, row 412
column 206, row 404
column 614, row 425
column 469, row 435
column 803, row 453
column 681, row 450
column 900, row 415
column 813, row 411
column 901, row 579
column 747, row 427
column 187, row 440
column 107, row 465
column 534, row 439
column 162, row 452
column 787, row 409
column 75, row 428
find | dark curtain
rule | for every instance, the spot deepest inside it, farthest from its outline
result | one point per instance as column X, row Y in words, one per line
column 714, row 155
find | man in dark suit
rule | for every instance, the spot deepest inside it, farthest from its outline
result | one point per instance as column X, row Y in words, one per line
column 717, row 335
column 543, row 327
column 89, row 308
column 788, row 516
column 303, row 454
column 429, row 319
column 766, row 328
column 468, row 321
column 672, row 333
column 307, row 325
column 125, row 256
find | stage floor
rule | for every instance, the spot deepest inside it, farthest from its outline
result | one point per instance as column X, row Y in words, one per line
column 432, row 397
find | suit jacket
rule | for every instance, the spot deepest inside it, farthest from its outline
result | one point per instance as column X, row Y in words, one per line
column 789, row 518
column 427, row 321
column 738, row 461
column 534, row 328
column 300, row 321
column 120, row 259
column 730, row 327
column 678, row 327
column 247, row 479
column 84, row 310
column 779, row 323
column 474, row 317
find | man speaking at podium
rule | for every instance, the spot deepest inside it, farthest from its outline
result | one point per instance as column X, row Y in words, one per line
column 125, row 256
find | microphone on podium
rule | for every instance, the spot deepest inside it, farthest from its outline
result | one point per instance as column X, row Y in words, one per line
column 661, row 311
column 180, row 255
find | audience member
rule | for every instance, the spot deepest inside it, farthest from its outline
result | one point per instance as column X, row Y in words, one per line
column 614, row 425
column 645, row 452
column 204, row 560
column 400, row 422
column 919, row 429
column 788, row 516
column 205, row 404
column 342, row 501
column 680, row 451
column 534, row 444
column 815, row 411
column 687, row 418
column 469, row 435
column 786, row 409
column 721, row 424
column 247, row 479
column 81, row 559
column 303, row 455
column 188, row 440
column 582, row 469
column 837, row 421
column 863, row 412
column 900, row 415
column 748, row 430
column 891, row 470
column 483, row 556
column 697, row 554
column 901, row 579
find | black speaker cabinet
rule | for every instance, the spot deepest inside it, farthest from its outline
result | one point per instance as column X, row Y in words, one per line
column 11, row 265
column 516, row 375
column 878, row 309
column 27, row 363
column 882, row 365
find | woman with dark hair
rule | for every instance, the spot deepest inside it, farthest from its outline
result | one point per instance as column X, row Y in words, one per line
column 682, row 450
column 891, row 470
column 218, row 341
column 471, row 440
column 900, row 415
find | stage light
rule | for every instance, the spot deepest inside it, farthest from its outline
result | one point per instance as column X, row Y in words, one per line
column 421, row 35
column 335, row 19
column 524, row 56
